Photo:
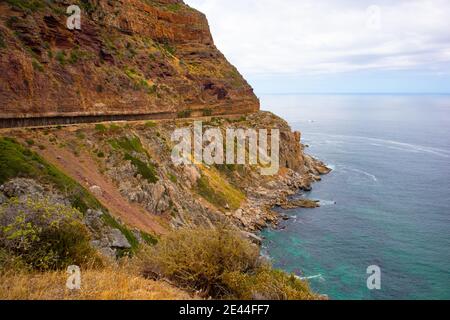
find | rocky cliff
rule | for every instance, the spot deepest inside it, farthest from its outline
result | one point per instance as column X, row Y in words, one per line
column 133, row 57
column 128, row 167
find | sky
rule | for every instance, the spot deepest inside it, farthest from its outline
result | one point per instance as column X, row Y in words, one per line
column 335, row 46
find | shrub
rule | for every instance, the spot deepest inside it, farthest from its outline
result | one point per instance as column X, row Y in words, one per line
column 100, row 127
column 184, row 114
column 207, row 112
column 132, row 144
column 61, row 57
column 37, row 65
column 150, row 124
column 44, row 235
column 220, row 263
column 114, row 128
column 173, row 178
column 218, row 191
column 147, row 171
column 77, row 55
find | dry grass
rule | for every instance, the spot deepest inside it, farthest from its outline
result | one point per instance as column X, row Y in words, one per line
column 220, row 264
column 112, row 283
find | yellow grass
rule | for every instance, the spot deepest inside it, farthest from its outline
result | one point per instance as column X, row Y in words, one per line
column 113, row 283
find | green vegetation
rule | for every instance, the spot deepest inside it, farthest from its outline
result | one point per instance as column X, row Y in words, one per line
column 217, row 191
column 184, row 114
column 148, row 238
column 27, row 5
column 127, row 144
column 150, row 124
column 100, row 127
column 114, row 128
column 77, row 55
column 172, row 7
column 147, row 171
column 173, row 178
column 61, row 57
column 87, row 6
column 18, row 161
column 139, row 81
column 100, row 154
column 130, row 145
column 167, row 47
column 207, row 112
column 37, row 65
column 221, row 264
column 44, row 236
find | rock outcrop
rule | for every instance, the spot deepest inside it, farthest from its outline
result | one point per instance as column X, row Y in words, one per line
column 106, row 239
column 134, row 57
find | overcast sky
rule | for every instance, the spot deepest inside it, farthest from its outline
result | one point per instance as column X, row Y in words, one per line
column 286, row 46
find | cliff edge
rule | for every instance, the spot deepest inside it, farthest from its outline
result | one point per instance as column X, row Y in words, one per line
column 134, row 57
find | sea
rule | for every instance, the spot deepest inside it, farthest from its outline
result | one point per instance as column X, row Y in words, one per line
column 385, row 204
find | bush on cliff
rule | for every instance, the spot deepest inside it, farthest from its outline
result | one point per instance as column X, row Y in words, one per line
column 40, row 235
column 220, row 264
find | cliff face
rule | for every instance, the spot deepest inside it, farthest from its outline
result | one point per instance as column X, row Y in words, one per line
column 130, row 57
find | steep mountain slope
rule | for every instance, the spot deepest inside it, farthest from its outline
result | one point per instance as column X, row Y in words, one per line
column 134, row 57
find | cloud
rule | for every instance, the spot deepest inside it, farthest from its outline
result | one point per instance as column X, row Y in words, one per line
column 328, row 36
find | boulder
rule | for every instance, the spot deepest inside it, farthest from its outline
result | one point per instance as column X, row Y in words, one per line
column 118, row 240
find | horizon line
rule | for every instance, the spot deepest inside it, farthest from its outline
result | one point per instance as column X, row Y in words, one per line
column 357, row 93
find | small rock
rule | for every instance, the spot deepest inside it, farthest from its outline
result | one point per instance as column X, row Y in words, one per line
column 3, row 199
column 118, row 240
column 96, row 191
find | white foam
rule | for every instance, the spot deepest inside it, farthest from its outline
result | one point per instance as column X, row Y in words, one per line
column 390, row 143
column 367, row 174
column 324, row 203
column 317, row 276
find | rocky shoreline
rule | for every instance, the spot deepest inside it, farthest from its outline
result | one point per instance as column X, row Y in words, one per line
column 258, row 212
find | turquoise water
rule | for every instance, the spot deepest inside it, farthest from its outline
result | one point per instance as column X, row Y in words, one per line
column 386, row 203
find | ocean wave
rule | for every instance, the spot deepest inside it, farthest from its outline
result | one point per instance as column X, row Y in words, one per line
column 317, row 276
column 403, row 146
column 324, row 203
column 367, row 174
